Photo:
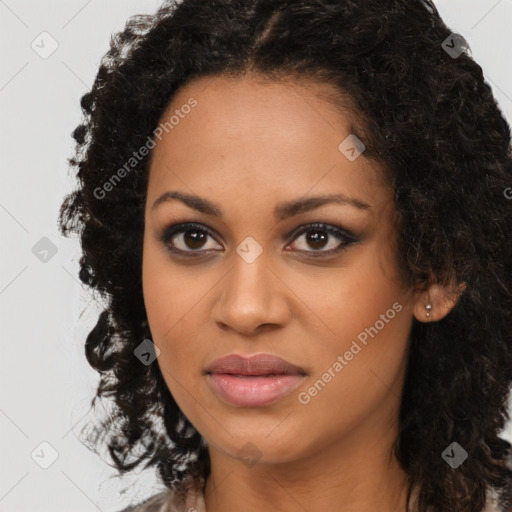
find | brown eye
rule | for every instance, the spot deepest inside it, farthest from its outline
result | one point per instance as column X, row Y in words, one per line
column 194, row 239
column 318, row 240
column 185, row 238
column 319, row 236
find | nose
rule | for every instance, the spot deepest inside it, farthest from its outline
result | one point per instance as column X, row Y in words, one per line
column 252, row 297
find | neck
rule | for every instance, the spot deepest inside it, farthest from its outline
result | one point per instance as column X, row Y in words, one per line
column 356, row 475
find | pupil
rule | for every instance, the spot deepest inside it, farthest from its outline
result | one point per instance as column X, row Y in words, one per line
column 317, row 240
column 194, row 239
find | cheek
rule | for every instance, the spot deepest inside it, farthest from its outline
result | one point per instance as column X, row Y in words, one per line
column 173, row 300
column 168, row 294
column 345, row 300
column 354, row 379
column 155, row 292
column 366, row 319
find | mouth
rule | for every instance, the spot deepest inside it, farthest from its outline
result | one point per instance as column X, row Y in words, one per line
column 251, row 375
column 253, row 390
column 256, row 365
column 253, row 382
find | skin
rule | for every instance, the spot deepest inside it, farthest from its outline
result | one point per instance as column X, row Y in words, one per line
column 247, row 146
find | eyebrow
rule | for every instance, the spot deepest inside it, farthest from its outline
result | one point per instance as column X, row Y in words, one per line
column 281, row 211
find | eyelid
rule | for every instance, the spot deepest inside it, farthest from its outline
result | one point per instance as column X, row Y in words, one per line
column 330, row 228
column 346, row 237
column 180, row 227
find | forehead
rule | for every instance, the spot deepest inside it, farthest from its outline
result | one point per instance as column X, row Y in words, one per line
column 262, row 107
column 270, row 134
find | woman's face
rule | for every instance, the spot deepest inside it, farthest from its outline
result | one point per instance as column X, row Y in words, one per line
column 249, row 277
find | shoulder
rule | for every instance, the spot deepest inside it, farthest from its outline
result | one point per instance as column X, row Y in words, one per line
column 189, row 496
column 501, row 502
column 155, row 503
column 506, row 496
column 505, row 501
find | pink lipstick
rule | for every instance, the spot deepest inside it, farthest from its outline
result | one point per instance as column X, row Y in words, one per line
column 255, row 381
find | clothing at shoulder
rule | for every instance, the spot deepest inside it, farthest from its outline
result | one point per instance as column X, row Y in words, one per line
column 152, row 504
column 168, row 501
column 188, row 498
column 493, row 500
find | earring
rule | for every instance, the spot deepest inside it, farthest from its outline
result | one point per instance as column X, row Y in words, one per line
column 428, row 307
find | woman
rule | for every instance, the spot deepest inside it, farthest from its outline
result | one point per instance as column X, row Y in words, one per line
column 297, row 214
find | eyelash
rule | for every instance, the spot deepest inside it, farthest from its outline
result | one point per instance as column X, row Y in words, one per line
column 346, row 237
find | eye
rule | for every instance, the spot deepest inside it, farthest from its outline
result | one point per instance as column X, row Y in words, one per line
column 319, row 236
column 192, row 238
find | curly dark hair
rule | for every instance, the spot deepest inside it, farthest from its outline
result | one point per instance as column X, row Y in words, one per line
column 428, row 117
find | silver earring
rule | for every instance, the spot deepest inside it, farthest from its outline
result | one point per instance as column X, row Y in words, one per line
column 428, row 307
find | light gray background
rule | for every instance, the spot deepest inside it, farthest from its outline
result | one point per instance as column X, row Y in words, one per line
column 46, row 384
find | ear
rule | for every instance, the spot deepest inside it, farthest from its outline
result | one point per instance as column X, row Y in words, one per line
column 434, row 303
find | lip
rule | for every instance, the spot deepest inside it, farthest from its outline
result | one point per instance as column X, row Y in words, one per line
column 258, row 364
column 255, row 381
